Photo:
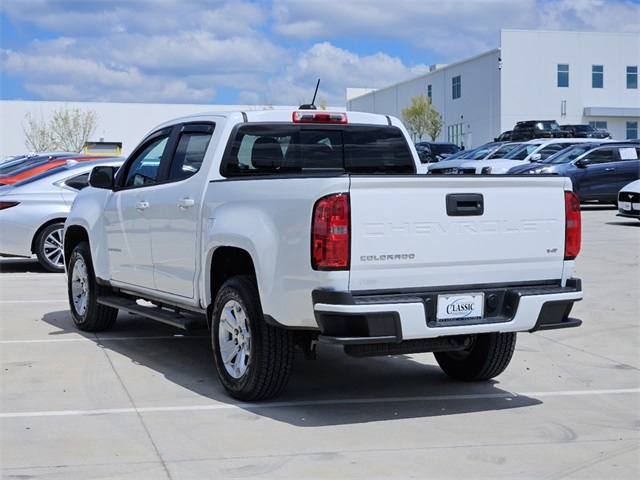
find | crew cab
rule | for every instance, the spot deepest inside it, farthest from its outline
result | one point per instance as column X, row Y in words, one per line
column 278, row 229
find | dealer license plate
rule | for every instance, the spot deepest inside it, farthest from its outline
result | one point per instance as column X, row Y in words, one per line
column 460, row 307
column 624, row 206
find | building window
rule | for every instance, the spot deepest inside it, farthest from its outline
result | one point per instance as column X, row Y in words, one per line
column 597, row 76
column 456, row 83
column 632, row 77
column 563, row 75
column 430, row 93
column 632, row 130
column 455, row 134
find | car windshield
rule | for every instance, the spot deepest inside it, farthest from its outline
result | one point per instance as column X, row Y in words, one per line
column 455, row 156
column 547, row 126
column 503, row 150
column 567, row 155
column 521, row 152
column 585, row 128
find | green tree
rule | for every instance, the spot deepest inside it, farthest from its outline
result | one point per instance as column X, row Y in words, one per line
column 66, row 130
column 420, row 117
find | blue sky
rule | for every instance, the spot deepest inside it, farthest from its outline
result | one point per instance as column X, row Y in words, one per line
column 259, row 52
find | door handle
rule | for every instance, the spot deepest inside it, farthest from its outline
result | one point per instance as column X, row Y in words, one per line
column 610, row 169
column 140, row 206
column 465, row 204
column 185, row 203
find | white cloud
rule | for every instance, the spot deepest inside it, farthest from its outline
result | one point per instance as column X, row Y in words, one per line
column 591, row 15
column 274, row 52
column 336, row 68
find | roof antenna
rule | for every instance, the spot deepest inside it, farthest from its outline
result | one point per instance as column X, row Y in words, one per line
column 311, row 106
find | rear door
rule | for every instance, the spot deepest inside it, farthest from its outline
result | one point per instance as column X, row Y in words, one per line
column 175, row 209
column 434, row 231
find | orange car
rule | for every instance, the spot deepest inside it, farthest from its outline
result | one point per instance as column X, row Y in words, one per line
column 43, row 166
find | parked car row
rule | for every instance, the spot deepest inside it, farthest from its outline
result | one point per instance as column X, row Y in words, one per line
column 598, row 169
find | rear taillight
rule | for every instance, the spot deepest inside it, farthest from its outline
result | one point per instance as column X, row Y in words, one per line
column 330, row 233
column 4, row 205
column 573, row 226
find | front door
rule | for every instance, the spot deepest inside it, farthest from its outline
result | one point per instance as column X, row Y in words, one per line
column 127, row 215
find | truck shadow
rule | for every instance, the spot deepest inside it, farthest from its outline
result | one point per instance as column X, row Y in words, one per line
column 334, row 389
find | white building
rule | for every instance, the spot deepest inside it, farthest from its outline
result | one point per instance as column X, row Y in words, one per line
column 571, row 77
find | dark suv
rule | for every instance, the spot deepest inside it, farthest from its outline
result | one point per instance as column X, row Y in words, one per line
column 585, row 131
column 530, row 129
column 435, row 151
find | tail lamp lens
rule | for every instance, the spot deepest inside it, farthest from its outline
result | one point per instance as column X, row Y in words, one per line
column 330, row 237
column 573, row 226
column 4, row 205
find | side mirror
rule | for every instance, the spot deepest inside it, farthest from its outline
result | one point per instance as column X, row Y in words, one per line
column 103, row 177
column 582, row 163
column 536, row 157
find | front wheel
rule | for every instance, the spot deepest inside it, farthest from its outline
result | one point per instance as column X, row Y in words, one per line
column 487, row 357
column 49, row 248
column 83, row 292
column 253, row 359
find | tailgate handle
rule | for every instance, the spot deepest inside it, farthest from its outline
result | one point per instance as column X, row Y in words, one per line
column 465, row 204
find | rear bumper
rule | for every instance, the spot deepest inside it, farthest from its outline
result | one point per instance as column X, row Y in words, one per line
column 348, row 319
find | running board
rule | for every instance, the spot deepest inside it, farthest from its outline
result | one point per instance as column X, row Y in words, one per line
column 176, row 319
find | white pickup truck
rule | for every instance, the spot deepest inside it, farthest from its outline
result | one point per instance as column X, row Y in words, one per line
column 281, row 228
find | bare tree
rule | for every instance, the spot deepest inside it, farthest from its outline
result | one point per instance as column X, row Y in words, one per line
column 37, row 133
column 420, row 117
column 67, row 130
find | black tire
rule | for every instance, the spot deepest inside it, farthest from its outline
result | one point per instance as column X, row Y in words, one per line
column 49, row 248
column 253, row 359
column 487, row 357
column 83, row 291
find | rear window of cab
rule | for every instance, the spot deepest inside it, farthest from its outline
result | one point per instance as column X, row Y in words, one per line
column 284, row 148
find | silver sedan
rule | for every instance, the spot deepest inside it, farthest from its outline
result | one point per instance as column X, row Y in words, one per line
column 33, row 211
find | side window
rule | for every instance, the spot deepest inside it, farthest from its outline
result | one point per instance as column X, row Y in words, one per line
column 629, row 153
column 602, row 155
column 143, row 168
column 190, row 151
column 78, row 182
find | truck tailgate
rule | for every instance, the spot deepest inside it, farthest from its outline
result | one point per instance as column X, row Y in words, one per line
column 427, row 231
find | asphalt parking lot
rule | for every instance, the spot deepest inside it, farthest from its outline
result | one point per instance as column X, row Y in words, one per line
column 143, row 401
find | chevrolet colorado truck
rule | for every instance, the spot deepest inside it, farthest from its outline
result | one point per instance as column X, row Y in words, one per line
column 283, row 229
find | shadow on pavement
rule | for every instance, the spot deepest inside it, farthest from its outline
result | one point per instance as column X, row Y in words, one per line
column 334, row 389
column 21, row 265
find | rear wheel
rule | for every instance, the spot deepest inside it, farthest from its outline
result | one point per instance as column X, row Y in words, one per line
column 253, row 359
column 49, row 248
column 83, row 292
column 487, row 357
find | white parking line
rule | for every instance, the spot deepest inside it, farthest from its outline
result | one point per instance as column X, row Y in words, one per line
column 3, row 302
column 258, row 406
column 100, row 339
